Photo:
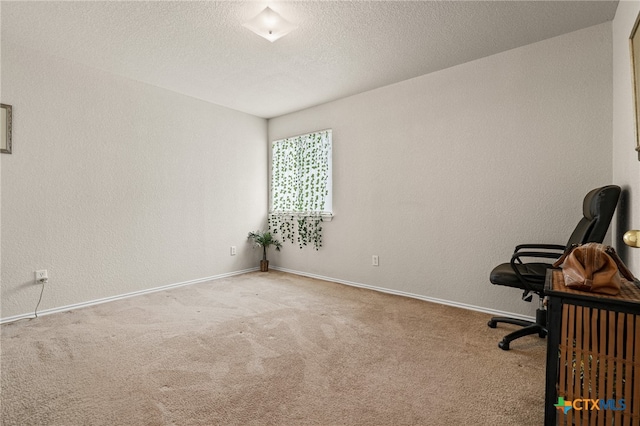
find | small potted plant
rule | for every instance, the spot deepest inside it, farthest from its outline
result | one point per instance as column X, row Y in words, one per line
column 264, row 239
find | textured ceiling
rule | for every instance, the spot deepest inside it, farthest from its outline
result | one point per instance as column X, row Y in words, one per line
column 340, row 48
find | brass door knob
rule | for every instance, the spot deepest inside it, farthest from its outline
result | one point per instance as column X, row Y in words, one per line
column 632, row 238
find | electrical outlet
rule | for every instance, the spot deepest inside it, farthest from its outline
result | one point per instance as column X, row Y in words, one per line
column 374, row 260
column 42, row 276
column 233, row 250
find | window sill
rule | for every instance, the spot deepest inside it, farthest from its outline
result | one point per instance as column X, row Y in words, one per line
column 325, row 216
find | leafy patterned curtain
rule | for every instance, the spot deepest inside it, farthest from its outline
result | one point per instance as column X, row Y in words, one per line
column 300, row 187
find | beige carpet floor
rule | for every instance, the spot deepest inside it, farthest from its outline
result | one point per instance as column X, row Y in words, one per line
column 268, row 349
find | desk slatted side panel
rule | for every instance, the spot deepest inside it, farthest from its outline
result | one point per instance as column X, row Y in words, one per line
column 599, row 366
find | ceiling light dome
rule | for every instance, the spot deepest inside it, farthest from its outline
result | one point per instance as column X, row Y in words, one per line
column 270, row 25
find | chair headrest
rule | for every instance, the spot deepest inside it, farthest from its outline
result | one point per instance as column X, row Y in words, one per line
column 601, row 202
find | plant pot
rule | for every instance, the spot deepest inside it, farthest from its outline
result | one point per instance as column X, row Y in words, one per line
column 264, row 265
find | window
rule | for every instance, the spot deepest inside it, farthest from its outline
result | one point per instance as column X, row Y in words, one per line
column 301, row 187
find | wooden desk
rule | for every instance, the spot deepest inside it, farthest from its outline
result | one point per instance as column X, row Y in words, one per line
column 593, row 355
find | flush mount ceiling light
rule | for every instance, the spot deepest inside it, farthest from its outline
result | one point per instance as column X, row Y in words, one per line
column 270, row 25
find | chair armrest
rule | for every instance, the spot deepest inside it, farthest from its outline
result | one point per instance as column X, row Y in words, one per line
column 547, row 254
column 540, row 246
column 543, row 254
column 515, row 258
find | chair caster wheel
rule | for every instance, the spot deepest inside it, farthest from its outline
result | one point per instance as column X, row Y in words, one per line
column 503, row 345
column 492, row 324
column 542, row 334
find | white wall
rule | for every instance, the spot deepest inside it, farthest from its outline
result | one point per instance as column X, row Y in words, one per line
column 442, row 175
column 626, row 167
column 116, row 186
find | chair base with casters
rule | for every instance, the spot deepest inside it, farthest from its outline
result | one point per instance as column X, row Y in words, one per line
column 538, row 327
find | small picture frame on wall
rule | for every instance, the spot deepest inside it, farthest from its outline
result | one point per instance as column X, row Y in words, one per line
column 6, row 119
column 634, row 47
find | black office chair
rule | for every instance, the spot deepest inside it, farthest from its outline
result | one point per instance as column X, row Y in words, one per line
column 598, row 207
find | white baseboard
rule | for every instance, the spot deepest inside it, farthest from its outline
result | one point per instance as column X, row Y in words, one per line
column 230, row 274
column 493, row 312
column 122, row 296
